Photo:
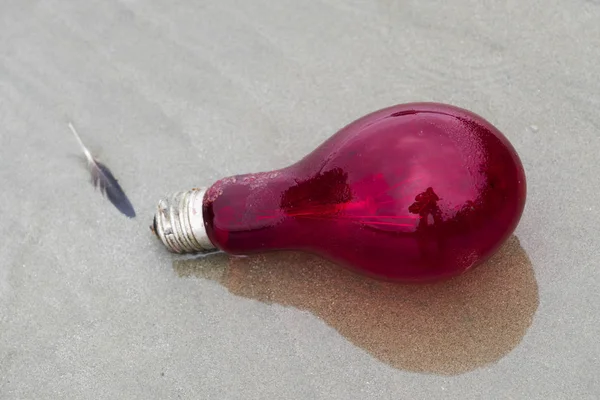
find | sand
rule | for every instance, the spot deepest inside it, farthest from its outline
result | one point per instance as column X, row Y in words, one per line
column 174, row 95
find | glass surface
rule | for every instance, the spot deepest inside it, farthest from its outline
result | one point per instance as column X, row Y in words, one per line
column 414, row 192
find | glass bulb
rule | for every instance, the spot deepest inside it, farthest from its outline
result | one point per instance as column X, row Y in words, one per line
column 413, row 192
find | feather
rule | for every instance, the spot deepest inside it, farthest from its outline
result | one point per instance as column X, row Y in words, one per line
column 104, row 180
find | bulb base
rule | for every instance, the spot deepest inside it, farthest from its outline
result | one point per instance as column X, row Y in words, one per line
column 179, row 223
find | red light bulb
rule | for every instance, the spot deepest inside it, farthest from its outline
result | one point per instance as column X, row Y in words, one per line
column 414, row 192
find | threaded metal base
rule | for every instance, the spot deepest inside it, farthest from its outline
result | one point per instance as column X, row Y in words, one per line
column 179, row 223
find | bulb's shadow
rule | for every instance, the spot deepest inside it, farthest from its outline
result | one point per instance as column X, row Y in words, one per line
column 444, row 328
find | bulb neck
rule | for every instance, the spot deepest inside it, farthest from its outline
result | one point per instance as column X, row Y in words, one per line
column 179, row 223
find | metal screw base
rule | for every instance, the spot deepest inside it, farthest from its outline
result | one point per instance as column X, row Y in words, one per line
column 179, row 223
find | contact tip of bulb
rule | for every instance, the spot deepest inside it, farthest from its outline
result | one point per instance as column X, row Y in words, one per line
column 153, row 226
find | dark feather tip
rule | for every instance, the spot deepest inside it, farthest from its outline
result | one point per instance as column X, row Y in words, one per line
column 114, row 192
